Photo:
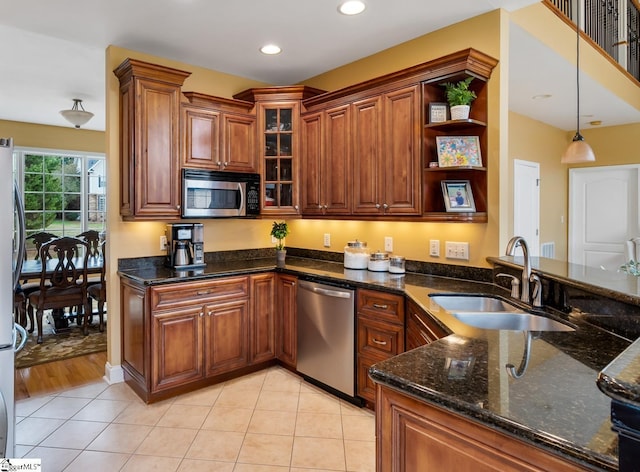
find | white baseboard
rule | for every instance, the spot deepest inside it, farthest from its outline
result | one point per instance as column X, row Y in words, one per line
column 113, row 373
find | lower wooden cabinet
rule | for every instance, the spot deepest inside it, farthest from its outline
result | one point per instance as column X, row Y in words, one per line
column 414, row 436
column 226, row 344
column 421, row 329
column 287, row 325
column 262, row 322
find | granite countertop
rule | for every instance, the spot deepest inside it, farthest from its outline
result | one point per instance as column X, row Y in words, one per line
column 556, row 404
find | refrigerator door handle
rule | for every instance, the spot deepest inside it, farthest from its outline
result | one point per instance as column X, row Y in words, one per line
column 20, row 236
column 23, row 337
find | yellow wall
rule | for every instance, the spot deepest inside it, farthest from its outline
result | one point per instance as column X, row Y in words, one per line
column 53, row 137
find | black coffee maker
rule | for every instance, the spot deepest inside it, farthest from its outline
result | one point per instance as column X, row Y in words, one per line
column 185, row 245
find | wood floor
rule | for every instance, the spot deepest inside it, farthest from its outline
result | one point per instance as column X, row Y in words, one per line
column 59, row 375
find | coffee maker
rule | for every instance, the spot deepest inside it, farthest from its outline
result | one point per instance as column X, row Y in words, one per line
column 185, row 245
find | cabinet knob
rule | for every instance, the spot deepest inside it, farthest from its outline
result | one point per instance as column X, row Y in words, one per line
column 296, row 207
column 226, row 164
column 319, row 207
column 201, row 314
column 378, row 205
column 324, row 207
column 385, row 206
column 219, row 164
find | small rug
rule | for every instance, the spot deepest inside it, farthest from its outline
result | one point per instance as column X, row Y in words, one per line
column 56, row 347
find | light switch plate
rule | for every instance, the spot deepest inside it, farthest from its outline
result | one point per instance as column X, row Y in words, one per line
column 388, row 244
column 434, row 247
column 326, row 240
column 456, row 250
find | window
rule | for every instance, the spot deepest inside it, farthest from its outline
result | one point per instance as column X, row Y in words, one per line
column 64, row 193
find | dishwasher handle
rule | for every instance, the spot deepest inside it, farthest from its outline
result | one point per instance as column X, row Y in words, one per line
column 324, row 291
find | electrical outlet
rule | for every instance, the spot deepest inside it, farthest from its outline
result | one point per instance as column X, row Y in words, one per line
column 326, row 240
column 434, row 247
column 163, row 243
column 456, row 250
column 388, row 244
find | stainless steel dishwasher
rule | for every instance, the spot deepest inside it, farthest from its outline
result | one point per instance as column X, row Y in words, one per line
column 326, row 335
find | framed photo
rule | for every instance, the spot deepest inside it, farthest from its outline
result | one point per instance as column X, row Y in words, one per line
column 459, row 368
column 458, row 196
column 438, row 112
column 456, row 151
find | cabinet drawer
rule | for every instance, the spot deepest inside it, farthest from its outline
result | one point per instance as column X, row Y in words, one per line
column 421, row 328
column 175, row 295
column 379, row 337
column 381, row 305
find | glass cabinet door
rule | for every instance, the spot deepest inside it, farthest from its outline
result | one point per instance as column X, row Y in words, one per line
column 279, row 157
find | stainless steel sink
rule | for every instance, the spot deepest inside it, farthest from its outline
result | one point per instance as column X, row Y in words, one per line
column 480, row 303
column 486, row 312
column 511, row 321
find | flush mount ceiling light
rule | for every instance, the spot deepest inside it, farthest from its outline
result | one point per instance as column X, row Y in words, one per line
column 77, row 116
column 352, row 7
column 270, row 49
column 578, row 151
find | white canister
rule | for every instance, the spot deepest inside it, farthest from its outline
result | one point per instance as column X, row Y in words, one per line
column 356, row 255
column 396, row 264
column 378, row 262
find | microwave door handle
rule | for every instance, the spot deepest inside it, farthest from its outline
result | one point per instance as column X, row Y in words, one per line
column 241, row 197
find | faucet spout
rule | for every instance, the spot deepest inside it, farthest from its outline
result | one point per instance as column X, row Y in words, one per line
column 526, row 267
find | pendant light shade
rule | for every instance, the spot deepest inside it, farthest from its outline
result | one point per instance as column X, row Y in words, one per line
column 578, row 151
column 77, row 115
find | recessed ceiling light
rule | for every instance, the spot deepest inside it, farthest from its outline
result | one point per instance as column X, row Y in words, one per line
column 595, row 123
column 270, row 49
column 352, row 7
column 542, row 96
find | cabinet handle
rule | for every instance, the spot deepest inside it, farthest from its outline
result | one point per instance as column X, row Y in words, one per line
column 382, row 343
column 201, row 314
column 380, row 307
column 203, row 292
column 419, row 320
column 425, row 337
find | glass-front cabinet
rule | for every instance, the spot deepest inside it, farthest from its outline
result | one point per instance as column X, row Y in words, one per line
column 278, row 110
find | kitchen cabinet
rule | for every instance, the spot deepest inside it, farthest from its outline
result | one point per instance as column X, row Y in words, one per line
column 262, row 327
column 326, row 162
column 218, row 134
column 278, row 114
column 149, row 140
column 412, row 435
column 386, row 157
column 286, row 322
column 421, row 329
column 380, row 334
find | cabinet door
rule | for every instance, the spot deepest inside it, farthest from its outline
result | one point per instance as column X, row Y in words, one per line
column 201, row 138
column 421, row 328
column 176, row 348
column 156, row 172
column 239, row 143
column 367, row 159
column 287, row 321
column 262, row 330
column 312, row 163
column 402, row 152
column 337, row 161
column 225, row 338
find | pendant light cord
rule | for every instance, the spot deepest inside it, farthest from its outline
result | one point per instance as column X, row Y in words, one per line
column 578, row 68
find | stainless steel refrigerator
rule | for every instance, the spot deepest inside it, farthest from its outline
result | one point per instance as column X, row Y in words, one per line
column 11, row 254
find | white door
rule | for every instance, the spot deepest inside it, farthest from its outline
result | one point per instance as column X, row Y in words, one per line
column 603, row 214
column 526, row 204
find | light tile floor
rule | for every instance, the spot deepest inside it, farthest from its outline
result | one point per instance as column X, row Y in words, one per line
column 268, row 421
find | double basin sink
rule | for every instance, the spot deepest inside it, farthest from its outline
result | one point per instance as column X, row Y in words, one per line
column 487, row 312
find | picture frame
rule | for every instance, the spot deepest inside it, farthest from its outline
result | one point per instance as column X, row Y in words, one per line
column 438, row 112
column 458, row 196
column 459, row 368
column 458, row 151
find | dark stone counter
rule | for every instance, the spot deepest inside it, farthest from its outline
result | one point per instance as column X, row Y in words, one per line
column 555, row 405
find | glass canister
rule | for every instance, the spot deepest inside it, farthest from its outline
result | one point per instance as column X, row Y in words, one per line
column 356, row 255
column 396, row 264
column 378, row 262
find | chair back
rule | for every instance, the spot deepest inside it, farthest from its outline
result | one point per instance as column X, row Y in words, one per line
column 70, row 257
column 93, row 238
column 39, row 239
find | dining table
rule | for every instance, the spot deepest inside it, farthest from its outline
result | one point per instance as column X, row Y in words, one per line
column 32, row 271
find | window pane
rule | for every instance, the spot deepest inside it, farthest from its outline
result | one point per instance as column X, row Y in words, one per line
column 52, row 183
column 52, row 165
column 33, row 163
column 53, row 201
column 33, row 182
column 33, row 201
column 71, row 183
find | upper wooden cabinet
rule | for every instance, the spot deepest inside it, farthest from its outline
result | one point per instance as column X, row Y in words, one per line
column 218, row 134
column 149, row 140
column 278, row 114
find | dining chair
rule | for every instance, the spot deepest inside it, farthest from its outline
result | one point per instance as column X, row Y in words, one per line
column 93, row 238
column 98, row 292
column 29, row 287
column 66, row 284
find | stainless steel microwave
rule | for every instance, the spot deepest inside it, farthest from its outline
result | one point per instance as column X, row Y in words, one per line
column 212, row 194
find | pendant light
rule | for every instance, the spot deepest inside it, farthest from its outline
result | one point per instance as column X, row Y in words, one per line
column 77, row 116
column 578, row 151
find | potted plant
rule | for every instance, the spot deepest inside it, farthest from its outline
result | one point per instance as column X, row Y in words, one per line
column 279, row 231
column 459, row 97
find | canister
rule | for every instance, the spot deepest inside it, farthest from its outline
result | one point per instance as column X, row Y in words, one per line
column 378, row 262
column 356, row 255
column 396, row 264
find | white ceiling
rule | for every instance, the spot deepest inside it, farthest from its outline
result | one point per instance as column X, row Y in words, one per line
column 54, row 51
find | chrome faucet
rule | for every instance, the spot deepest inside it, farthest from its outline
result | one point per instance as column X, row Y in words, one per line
column 527, row 276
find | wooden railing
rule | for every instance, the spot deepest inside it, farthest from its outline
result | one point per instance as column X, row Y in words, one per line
column 613, row 25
